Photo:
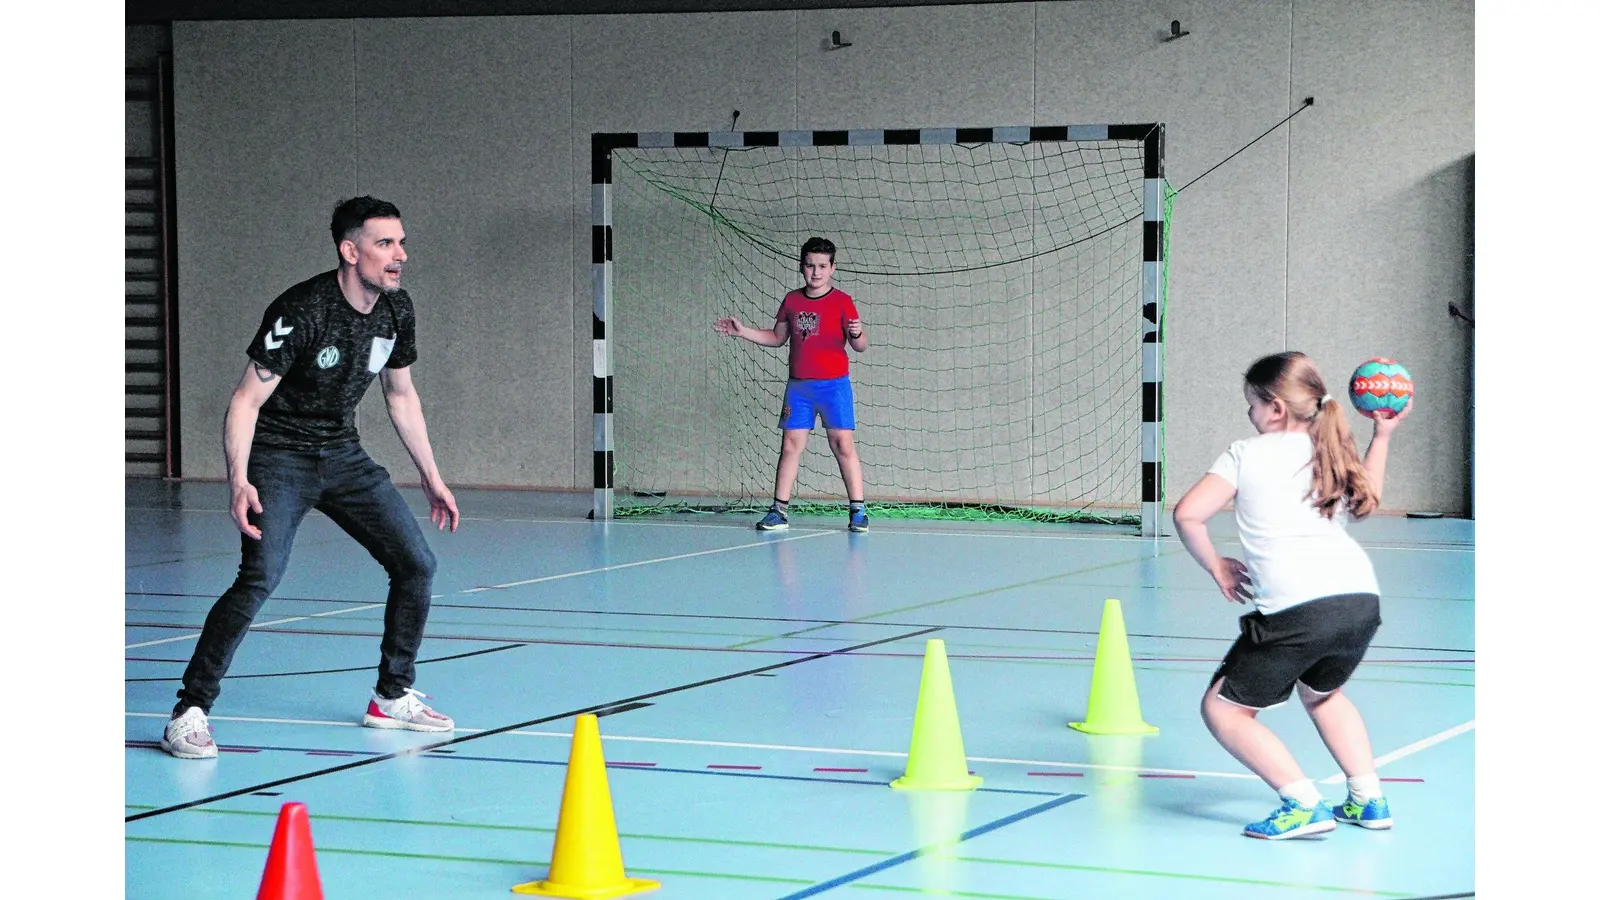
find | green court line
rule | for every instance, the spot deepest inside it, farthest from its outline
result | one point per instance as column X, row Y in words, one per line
column 534, row 864
column 1202, row 667
column 1003, row 588
column 790, row 634
column 530, row 829
column 1257, row 882
column 491, row 625
column 968, row 648
column 1464, row 667
column 1186, row 876
column 945, row 892
column 996, row 590
column 1212, row 590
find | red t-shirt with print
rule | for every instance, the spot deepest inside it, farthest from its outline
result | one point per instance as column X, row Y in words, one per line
column 816, row 333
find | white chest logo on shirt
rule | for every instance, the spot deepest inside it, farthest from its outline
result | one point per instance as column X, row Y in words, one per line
column 381, row 348
column 327, row 357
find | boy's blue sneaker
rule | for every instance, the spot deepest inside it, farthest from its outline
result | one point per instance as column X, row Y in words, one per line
column 858, row 519
column 1291, row 820
column 1373, row 814
column 773, row 521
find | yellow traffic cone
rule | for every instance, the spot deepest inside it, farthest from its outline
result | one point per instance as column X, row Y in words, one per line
column 587, row 859
column 938, row 760
column 1113, row 698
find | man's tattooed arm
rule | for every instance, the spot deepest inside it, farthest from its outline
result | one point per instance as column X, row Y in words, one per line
column 263, row 373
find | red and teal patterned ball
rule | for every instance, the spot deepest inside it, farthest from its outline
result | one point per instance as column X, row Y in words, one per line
column 1380, row 384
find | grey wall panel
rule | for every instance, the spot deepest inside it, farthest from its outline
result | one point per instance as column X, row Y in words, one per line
column 1344, row 233
column 141, row 46
column 141, row 43
column 464, row 123
column 1380, row 190
column 661, row 73
column 917, row 67
column 138, row 134
column 265, row 145
column 1216, row 90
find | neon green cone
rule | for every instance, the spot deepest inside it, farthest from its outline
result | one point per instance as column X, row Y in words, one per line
column 938, row 759
column 1113, row 699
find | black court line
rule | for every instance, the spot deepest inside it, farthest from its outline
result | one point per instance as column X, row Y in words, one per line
column 230, row 554
column 411, row 751
column 619, row 708
column 329, row 671
column 825, row 622
column 213, row 596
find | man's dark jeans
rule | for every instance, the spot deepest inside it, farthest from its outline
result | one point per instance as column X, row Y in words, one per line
column 345, row 484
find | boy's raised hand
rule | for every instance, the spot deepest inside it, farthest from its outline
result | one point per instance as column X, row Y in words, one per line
column 727, row 325
column 852, row 328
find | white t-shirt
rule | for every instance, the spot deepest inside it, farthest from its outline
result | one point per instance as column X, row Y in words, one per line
column 1294, row 554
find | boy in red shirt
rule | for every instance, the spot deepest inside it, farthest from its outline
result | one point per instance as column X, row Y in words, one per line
column 821, row 319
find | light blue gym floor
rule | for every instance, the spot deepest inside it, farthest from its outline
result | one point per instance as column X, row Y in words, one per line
column 756, row 695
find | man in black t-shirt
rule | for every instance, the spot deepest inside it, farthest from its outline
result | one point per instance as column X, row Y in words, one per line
column 291, row 446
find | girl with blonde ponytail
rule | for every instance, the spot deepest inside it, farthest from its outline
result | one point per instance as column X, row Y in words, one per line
column 1293, row 486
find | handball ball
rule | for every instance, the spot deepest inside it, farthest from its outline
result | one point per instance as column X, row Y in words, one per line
column 1380, row 384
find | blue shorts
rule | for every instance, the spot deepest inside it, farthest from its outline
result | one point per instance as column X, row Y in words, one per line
column 806, row 398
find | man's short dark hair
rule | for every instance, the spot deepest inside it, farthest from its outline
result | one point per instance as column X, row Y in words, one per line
column 817, row 245
column 350, row 215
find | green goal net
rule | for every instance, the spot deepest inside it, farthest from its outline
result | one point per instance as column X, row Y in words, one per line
column 1003, row 285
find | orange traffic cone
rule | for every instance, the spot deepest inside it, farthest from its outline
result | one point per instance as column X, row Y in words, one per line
column 291, row 872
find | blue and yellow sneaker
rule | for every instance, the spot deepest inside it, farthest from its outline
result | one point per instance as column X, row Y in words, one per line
column 773, row 521
column 1373, row 814
column 1292, row 820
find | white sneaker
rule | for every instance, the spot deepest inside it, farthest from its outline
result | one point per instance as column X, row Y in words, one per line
column 407, row 711
column 189, row 736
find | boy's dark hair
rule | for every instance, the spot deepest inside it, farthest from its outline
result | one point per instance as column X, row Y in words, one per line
column 350, row 215
column 817, row 245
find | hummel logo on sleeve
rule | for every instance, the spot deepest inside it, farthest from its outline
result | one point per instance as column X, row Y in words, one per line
column 273, row 338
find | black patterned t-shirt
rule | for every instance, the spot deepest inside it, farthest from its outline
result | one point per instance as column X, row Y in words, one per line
column 327, row 355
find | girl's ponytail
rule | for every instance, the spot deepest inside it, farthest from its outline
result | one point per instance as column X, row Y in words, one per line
column 1336, row 470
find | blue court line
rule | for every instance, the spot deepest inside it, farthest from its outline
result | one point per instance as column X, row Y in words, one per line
column 893, row 861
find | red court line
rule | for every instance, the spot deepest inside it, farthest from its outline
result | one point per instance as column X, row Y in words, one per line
column 622, row 764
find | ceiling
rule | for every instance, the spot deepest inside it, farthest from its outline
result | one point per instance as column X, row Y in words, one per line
column 152, row 11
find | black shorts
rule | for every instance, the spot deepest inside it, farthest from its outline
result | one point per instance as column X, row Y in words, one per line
column 1318, row 643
